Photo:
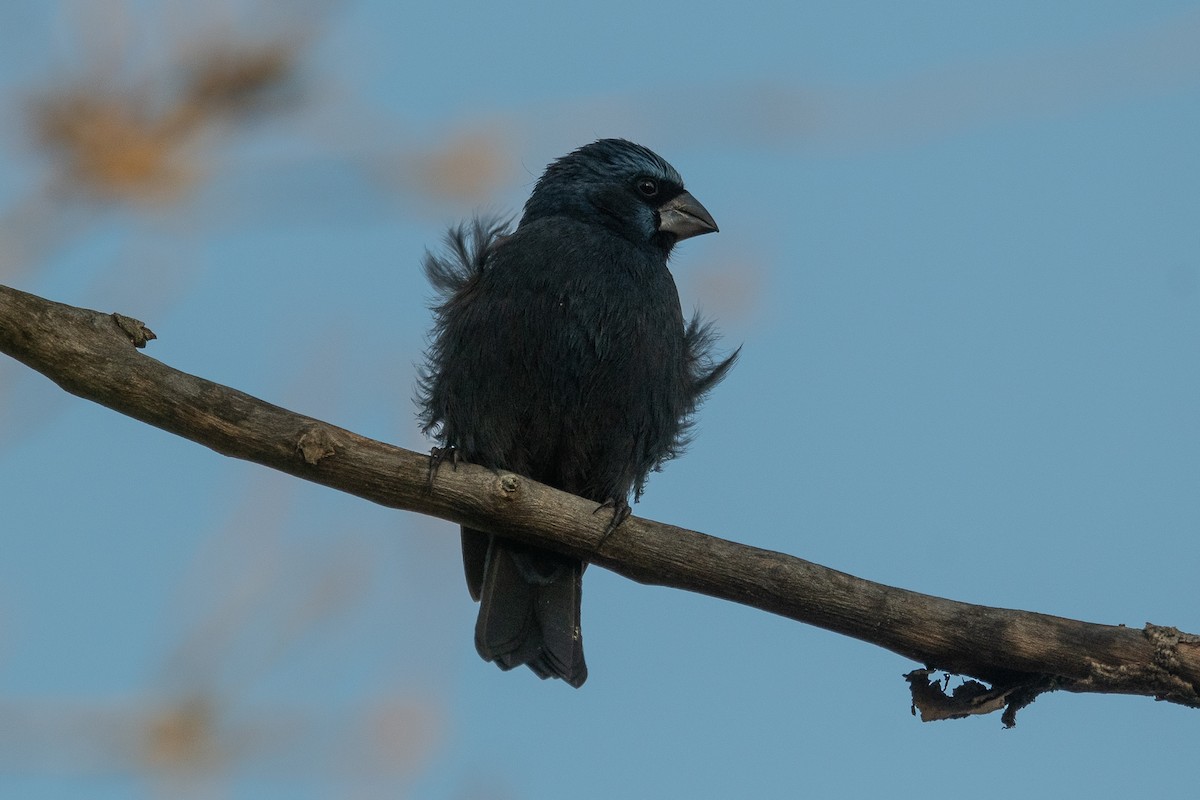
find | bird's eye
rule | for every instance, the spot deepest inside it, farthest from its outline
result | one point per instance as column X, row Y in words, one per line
column 647, row 186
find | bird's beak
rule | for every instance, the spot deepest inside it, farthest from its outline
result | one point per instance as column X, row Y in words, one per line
column 684, row 217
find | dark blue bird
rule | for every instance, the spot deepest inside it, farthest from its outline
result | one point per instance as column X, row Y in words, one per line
column 560, row 352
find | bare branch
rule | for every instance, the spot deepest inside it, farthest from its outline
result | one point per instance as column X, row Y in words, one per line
column 1019, row 653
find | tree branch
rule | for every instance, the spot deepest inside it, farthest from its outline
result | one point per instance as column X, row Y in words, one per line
column 1019, row 653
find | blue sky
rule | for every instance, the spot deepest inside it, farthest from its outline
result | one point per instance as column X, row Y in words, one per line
column 958, row 245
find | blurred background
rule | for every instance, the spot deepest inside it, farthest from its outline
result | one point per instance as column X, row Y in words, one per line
column 958, row 242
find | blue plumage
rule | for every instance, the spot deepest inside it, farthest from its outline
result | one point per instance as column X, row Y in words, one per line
column 560, row 352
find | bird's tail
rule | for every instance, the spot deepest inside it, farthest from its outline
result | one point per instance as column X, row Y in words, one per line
column 529, row 606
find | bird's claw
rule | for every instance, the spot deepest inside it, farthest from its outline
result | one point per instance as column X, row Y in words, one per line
column 436, row 456
column 620, row 513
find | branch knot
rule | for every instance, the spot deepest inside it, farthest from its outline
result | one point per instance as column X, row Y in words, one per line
column 508, row 486
column 314, row 444
column 134, row 329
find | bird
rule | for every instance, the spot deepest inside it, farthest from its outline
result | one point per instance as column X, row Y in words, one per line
column 559, row 351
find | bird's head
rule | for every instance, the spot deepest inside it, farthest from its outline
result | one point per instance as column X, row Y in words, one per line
column 624, row 187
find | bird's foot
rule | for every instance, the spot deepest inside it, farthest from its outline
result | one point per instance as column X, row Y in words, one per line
column 436, row 456
column 620, row 513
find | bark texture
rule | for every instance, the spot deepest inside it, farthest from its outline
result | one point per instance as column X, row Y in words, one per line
column 1017, row 654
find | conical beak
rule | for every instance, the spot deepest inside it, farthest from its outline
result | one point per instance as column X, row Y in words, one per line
column 684, row 217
